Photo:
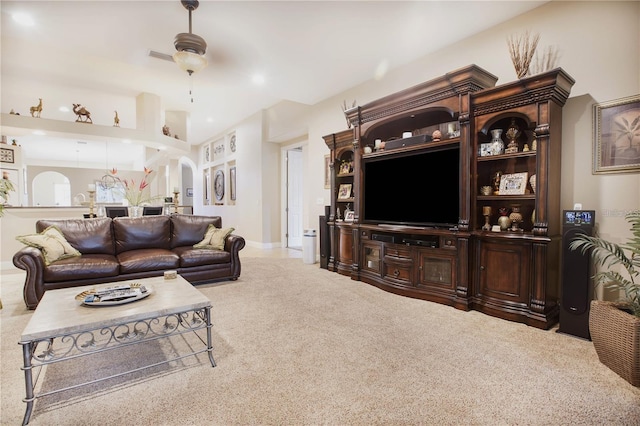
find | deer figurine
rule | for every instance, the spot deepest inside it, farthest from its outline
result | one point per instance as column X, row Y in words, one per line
column 36, row 110
column 81, row 111
column 116, row 120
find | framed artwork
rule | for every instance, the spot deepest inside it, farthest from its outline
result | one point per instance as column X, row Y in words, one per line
column 513, row 183
column 345, row 191
column 207, row 188
column 218, row 185
column 189, row 192
column 6, row 155
column 232, row 183
column 616, row 136
column 327, row 171
column 349, row 215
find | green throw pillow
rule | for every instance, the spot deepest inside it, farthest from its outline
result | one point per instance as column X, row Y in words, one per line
column 214, row 238
column 52, row 244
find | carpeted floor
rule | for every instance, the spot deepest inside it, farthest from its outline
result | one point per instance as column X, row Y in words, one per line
column 297, row 345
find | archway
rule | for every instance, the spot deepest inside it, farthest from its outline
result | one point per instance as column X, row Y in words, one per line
column 51, row 189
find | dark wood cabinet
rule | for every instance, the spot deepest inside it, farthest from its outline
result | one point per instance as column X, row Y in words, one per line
column 517, row 275
column 444, row 251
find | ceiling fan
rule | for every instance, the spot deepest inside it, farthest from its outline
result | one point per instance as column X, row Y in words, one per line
column 190, row 47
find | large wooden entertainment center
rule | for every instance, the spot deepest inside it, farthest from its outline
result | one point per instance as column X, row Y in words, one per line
column 511, row 274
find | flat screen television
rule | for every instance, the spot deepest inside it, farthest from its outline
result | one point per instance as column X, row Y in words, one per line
column 414, row 189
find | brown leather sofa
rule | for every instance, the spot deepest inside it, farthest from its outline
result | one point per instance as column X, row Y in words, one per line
column 127, row 248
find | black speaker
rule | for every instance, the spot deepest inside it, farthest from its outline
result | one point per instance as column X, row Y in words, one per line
column 576, row 289
column 325, row 250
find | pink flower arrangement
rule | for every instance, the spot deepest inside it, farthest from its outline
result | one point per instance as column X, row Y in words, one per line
column 134, row 194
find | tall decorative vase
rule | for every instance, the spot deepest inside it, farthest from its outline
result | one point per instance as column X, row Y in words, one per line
column 134, row 211
column 504, row 220
column 516, row 218
column 497, row 144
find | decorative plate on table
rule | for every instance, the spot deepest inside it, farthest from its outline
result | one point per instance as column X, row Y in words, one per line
column 114, row 295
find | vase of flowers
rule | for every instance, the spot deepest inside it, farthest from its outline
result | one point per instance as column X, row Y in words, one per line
column 136, row 193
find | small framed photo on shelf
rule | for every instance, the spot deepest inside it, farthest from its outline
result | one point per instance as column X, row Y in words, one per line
column 616, row 136
column 486, row 149
column 344, row 193
column 513, row 183
column 349, row 215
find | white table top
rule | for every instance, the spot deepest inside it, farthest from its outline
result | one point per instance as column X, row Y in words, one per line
column 60, row 313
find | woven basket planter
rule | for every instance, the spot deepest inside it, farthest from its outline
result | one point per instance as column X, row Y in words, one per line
column 616, row 337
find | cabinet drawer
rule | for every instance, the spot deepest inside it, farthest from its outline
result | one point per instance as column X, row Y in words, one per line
column 398, row 272
column 397, row 252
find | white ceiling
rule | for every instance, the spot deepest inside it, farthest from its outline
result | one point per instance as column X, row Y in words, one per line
column 96, row 53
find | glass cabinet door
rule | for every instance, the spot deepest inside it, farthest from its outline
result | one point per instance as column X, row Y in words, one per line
column 371, row 257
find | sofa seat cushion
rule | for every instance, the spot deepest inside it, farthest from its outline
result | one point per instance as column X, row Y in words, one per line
column 143, row 260
column 190, row 256
column 83, row 267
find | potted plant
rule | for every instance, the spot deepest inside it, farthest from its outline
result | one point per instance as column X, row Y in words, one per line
column 615, row 326
column 6, row 186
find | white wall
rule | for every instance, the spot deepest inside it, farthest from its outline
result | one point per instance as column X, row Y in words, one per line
column 600, row 48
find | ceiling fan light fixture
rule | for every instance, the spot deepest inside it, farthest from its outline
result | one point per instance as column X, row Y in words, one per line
column 189, row 61
column 190, row 47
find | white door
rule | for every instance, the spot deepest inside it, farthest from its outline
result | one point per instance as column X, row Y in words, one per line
column 294, row 198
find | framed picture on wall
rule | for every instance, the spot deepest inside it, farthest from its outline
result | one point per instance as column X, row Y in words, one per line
column 6, row 155
column 232, row 183
column 327, row 172
column 616, row 136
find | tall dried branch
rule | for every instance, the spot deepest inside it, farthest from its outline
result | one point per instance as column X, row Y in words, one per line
column 522, row 48
column 546, row 62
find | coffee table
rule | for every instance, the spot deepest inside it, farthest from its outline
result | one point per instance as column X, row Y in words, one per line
column 61, row 328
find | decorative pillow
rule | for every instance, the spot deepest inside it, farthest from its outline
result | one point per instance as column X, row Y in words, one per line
column 52, row 244
column 214, row 238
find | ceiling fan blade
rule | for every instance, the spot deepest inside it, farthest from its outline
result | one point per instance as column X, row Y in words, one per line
column 160, row 55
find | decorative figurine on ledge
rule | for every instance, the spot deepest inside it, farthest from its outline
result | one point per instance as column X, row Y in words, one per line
column 512, row 136
column 116, row 120
column 36, row 110
column 80, row 112
column 436, row 135
column 166, row 131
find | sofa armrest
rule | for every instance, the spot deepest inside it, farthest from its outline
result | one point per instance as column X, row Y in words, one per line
column 233, row 245
column 31, row 260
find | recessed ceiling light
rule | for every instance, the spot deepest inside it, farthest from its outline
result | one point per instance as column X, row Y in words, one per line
column 209, row 119
column 64, row 109
column 23, row 19
column 258, row 79
column 126, row 140
column 39, row 132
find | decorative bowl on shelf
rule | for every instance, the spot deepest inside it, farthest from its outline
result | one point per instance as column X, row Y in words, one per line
column 486, row 190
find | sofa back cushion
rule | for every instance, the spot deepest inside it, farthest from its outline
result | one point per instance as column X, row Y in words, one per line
column 187, row 230
column 132, row 233
column 88, row 236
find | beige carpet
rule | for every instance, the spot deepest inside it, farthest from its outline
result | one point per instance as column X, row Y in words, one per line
column 298, row 345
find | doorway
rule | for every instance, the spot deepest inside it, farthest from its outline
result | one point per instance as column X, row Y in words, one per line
column 294, row 198
column 51, row 189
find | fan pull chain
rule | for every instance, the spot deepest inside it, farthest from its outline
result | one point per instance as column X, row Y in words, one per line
column 191, row 86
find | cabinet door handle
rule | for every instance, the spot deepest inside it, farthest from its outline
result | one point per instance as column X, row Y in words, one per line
column 396, row 273
column 481, row 268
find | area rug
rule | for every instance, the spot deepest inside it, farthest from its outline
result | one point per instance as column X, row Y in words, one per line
column 298, row 345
